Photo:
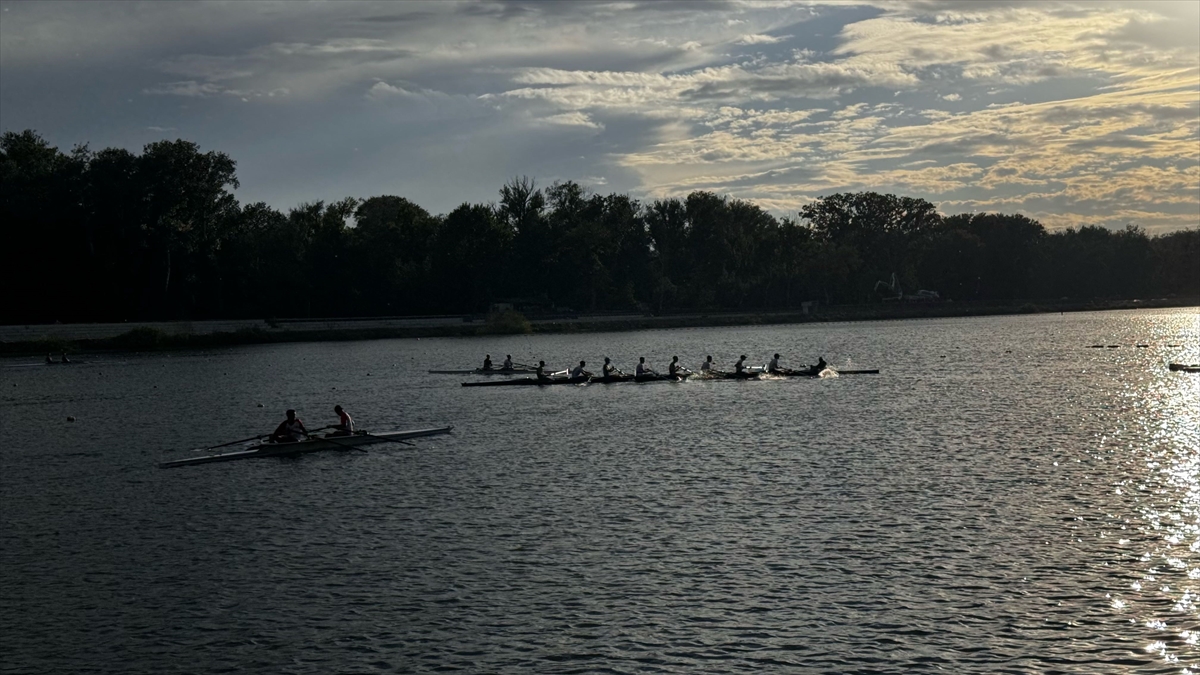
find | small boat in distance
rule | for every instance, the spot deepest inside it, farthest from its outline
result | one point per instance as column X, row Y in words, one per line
column 312, row 444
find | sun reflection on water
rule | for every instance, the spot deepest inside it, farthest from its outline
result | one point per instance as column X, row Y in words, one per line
column 1167, row 493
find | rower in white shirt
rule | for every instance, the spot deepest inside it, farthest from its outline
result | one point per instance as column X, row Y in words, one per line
column 609, row 369
column 507, row 363
column 578, row 371
column 642, row 368
column 707, row 365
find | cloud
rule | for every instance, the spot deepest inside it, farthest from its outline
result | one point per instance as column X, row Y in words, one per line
column 573, row 119
column 1092, row 109
column 760, row 39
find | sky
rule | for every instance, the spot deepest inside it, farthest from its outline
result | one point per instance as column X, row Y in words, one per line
column 1072, row 113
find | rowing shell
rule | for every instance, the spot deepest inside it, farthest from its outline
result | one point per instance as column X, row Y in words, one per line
column 487, row 371
column 313, row 444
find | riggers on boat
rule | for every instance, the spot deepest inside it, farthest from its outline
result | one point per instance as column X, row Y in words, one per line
column 657, row 377
column 611, row 379
column 487, row 371
column 811, row 371
column 722, row 375
column 312, row 444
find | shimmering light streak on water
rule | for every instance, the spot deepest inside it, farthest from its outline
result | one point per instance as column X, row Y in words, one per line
column 1162, row 411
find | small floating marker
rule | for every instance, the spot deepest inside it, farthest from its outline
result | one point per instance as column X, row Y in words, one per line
column 1113, row 346
column 259, row 405
column 70, row 418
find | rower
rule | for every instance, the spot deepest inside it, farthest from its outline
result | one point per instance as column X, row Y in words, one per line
column 707, row 365
column 65, row 359
column 673, row 368
column 507, row 365
column 774, row 365
column 345, row 425
column 642, row 368
column 578, row 371
column 541, row 371
column 821, row 365
column 487, row 362
column 48, row 359
column 290, row 430
column 609, row 369
column 740, row 366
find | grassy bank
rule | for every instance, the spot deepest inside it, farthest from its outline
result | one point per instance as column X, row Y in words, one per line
column 151, row 339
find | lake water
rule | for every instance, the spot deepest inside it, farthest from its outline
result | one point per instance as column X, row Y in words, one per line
column 1000, row 499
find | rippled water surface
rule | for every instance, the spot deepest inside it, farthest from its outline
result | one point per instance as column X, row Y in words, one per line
column 1000, row 499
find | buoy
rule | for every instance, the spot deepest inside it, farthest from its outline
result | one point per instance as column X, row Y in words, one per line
column 70, row 418
column 260, row 405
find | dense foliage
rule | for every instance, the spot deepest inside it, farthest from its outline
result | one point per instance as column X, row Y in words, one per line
column 113, row 235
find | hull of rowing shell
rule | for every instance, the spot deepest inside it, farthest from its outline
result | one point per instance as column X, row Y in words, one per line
column 661, row 378
column 304, row 447
column 481, row 371
column 804, row 372
column 711, row 375
column 534, row 382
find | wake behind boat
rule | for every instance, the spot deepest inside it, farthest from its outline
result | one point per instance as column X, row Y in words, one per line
column 312, row 444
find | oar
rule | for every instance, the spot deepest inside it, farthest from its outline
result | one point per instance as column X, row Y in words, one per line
column 342, row 445
column 244, row 440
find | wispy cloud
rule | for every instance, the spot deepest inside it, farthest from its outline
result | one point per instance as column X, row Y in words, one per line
column 1069, row 112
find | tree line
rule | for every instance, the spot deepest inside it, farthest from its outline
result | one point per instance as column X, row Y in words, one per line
column 114, row 235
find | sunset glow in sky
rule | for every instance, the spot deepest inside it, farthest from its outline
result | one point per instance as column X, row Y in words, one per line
column 1072, row 113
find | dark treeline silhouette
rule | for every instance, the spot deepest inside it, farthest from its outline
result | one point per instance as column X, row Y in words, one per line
column 114, row 235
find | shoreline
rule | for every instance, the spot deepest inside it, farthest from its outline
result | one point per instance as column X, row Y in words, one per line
column 171, row 336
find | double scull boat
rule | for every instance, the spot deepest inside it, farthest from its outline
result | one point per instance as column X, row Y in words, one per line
column 312, row 444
